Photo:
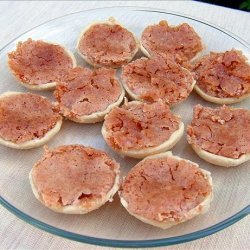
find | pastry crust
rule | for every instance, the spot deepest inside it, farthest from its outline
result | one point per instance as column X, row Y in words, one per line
column 218, row 100
column 202, row 208
column 142, row 153
column 35, row 142
column 111, row 21
column 218, row 159
column 45, row 86
column 78, row 209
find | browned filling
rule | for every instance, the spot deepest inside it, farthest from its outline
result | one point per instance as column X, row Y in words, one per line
column 139, row 126
column 179, row 42
column 108, row 45
column 25, row 117
column 38, row 62
column 74, row 175
column 221, row 131
column 85, row 91
column 223, row 75
column 164, row 189
column 158, row 79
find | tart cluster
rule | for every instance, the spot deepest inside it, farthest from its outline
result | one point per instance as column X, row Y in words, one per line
column 162, row 189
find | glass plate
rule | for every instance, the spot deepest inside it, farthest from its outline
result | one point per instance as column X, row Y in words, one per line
column 111, row 225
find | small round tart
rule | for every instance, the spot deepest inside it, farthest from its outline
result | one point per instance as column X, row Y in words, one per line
column 164, row 190
column 223, row 78
column 74, row 179
column 157, row 79
column 107, row 44
column 220, row 136
column 86, row 96
column 39, row 65
column 179, row 42
column 27, row 120
column 139, row 129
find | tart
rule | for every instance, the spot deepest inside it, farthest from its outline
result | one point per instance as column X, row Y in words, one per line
column 74, row 179
column 27, row 120
column 39, row 65
column 164, row 190
column 223, row 78
column 107, row 44
column 139, row 129
column 86, row 96
column 221, row 135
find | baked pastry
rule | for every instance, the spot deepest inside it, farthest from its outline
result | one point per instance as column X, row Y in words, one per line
column 223, row 78
column 139, row 129
column 39, row 65
column 180, row 42
column 221, row 135
column 27, row 120
column 107, row 44
column 157, row 79
column 74, row 179
column 86, row 96
column 164, row 190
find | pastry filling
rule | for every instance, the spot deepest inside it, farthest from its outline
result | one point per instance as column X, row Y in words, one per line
column 108, row 45
column 221, row 131
column 38, row 62
column 85, row 92
column 25, row 117
column 158, row 79
column 164, row 189
column 74, row 175
column 180, row 42
column 223, row 75
column 136, row 126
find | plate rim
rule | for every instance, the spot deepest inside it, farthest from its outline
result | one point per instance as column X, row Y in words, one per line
column 129, row 243
column 126, row 243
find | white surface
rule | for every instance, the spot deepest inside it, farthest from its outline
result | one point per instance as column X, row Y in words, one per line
column 16, row 18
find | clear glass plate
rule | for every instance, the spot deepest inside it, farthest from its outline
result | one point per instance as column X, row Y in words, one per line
column 111, row 225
